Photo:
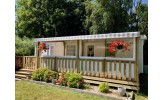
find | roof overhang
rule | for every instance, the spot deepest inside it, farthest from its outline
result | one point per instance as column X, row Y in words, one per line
column 87, row 37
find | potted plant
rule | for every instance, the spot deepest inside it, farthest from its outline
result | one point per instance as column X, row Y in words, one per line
column 42, row 46
column 117, row 45
column 121, row 91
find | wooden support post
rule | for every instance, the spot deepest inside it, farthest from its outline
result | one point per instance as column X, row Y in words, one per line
column 55, row 64
column 23, row 61
column 137, row 61
column 64, row 48
column 105, row 63
column 103, row 67
column 77, row 58
column 37, row 55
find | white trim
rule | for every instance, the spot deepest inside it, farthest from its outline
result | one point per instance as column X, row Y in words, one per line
column 143, row 37
column 86, row 37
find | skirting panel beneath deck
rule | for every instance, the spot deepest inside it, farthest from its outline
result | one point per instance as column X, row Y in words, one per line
column 113, row 83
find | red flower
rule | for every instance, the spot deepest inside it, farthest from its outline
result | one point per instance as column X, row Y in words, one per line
column 118, row 44
column 42, row 46
column 62, row 77
column 112, row 49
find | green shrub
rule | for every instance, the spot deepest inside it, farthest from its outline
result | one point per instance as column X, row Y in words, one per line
column 49, row 75
column 42, row 74
column 75, row 80
column 62, row 79
column 87, row 86
column 24, row 46
column 104, row 87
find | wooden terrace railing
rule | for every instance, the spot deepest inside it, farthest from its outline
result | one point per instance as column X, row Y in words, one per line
column 122, row 71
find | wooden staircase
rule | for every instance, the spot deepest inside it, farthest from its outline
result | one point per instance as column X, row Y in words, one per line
column 23, row 73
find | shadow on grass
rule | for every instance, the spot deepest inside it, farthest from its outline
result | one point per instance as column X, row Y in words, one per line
column 143, row 81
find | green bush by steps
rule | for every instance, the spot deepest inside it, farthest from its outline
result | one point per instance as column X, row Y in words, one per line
column 103, row 87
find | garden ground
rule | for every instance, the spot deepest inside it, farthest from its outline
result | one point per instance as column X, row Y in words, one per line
column 31, row 91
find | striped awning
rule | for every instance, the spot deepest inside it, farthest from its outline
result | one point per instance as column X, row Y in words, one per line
column 86, row 37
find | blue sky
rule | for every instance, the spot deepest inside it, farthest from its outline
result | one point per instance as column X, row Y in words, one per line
column 144, row 1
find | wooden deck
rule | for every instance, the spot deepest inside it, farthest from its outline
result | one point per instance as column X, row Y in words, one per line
column 117, row 73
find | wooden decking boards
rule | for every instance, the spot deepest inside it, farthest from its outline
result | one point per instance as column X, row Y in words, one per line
column 23, row 73
column 112, row 82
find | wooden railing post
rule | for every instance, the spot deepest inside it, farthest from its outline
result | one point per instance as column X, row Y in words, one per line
column 23, row 62
column 37, row 56
column 104, row 68
column 77, row 58
column 137, row 61
column 55, row 64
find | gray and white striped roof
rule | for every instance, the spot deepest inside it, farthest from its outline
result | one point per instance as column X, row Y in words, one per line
column 86, row 37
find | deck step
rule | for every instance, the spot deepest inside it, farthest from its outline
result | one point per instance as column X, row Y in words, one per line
column 27, row 70
column 17, row 79
column 111, row 80
column 23, row 72
column 20, row 76
column 112, row 84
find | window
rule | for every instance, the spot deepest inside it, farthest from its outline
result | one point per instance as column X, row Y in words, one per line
column 51, row 50
column 47, row 49
column 71, row 50
column 90, row 50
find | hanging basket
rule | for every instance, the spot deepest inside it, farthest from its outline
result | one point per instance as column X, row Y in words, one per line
column 42, row 46
column 117, row 45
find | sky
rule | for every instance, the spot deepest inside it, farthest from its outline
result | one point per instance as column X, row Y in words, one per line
column 144, row 1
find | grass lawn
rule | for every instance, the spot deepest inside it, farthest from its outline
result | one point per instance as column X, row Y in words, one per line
column 140, row 97
column 31, row 91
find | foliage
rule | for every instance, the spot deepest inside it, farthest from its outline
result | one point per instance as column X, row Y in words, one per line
column 104, row 87
column 138, row 20
column 45, row 18
column 49, row 75
column 75, row 80
column 24, row 46
column 142, row 13
column 87, row 86
column 107, row 15
column 62, row 79
column 43, row 74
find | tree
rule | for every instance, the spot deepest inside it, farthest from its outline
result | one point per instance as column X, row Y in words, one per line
column 142, row 14
column 107, row 15
column 39, row 18
column 24, row 46
column 46, row 18
column 72, row 23
column 139, row 18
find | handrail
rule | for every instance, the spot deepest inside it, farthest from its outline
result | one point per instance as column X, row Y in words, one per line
column 107, row 58
column 29, row 56
column 66, row 56
column 92, row 58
